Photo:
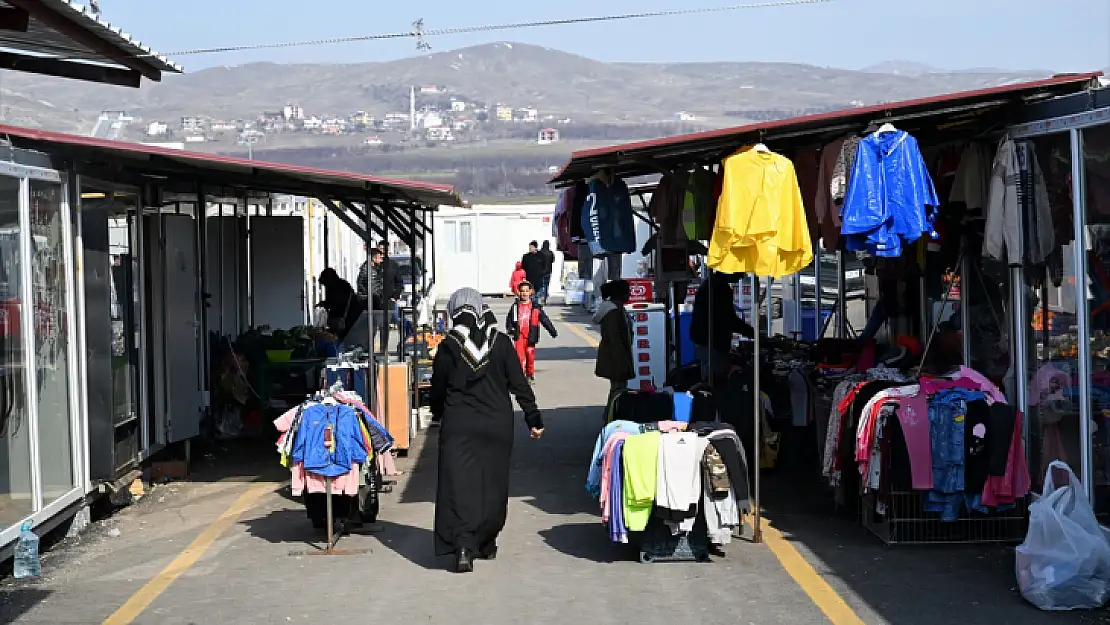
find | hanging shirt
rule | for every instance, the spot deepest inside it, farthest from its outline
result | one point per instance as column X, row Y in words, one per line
column 824, row 209
column 1002, row 238
column 761, row 225
column 891, row 200
column 593, row 479
column 972, row 177
column 607, row 218
column 640, row 457
column 678, row 485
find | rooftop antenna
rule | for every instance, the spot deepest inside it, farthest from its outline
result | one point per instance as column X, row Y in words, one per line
column 418, row 32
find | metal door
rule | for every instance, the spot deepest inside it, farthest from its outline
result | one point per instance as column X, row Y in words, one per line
column 182, row 324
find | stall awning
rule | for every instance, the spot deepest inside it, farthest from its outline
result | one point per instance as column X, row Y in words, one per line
column 66, row 39
column 983, row 108
column 181, row 170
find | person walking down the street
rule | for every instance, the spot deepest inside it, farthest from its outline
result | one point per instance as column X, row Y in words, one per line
column 342, row 304
column 549, row 268
column 474, row 372
column 614, row 353
column 523, row 323
column 533, row 263
column 518, row 277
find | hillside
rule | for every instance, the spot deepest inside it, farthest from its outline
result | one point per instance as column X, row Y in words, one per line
column 554, row 82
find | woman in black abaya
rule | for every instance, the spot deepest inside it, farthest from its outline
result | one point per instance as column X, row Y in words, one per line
column 475, row 370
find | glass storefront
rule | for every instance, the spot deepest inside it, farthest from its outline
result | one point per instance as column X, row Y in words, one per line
column 39, row 457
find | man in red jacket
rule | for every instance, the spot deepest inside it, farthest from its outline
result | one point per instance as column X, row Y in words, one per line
column 523, row 326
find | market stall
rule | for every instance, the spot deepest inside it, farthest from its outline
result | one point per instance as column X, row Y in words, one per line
column 832, row 188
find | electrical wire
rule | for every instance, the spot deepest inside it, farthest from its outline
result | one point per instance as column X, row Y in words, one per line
column 419, row 33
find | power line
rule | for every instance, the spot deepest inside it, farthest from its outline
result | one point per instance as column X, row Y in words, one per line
column 419, row 33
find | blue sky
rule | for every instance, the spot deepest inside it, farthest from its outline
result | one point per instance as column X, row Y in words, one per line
column 1059, row 35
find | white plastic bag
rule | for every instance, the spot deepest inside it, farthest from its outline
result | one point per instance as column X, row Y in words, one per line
column 1064, row 563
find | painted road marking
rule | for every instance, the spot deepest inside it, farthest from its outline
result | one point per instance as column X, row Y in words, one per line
column 150, row 591
column 793, row 562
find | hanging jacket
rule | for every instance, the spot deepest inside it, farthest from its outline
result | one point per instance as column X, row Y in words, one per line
column 349, row 447
column 577, row 201
column 890, row 198
column 699, row 205
column 761, row 224
column 607, row 219
column 536, row 318
column 1002, row 239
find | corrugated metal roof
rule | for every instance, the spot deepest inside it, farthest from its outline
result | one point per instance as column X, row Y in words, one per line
column 643, row 158
column 45, row 36
column 251, row 174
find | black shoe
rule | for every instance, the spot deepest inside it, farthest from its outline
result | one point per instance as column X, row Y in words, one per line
column 464, row 563
column 531, row 379
column 488, row 554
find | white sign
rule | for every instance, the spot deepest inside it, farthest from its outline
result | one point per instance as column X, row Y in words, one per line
column 649, row 345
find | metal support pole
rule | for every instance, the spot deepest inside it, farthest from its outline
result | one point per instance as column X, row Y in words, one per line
column 676, row 289
column 1079, row 210
column 841, row 305
column 818, row 317
column 757, row 414
column 965, row 301
column 327, row 238
column 384, row 330
column 412, row 305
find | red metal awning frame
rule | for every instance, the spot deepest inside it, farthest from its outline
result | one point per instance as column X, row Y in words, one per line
column 643, row 158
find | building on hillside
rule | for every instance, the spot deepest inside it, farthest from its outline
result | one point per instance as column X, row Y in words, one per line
column 361, row 118
column 291, row 112
column 439, row 133
column 373, row 140
column 458, row 106
column 192, row 124
column 430, row 89
column 503, row 113
column 394, row 120
column 526, row 114
column 684, row 116
column 425, row 121
column 548, row 136
column 312, row 123
column 157, row 129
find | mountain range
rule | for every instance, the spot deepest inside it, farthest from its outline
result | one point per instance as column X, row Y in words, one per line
column 554, row 82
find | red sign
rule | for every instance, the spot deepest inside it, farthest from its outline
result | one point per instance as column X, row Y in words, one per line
column 642, row 290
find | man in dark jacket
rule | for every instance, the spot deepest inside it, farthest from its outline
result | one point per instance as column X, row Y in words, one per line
column 381, row 292
column 523, row 327
column 341, row 302
column 614, row 354
column 534, row 265
column 548, row 268
column 714, row 321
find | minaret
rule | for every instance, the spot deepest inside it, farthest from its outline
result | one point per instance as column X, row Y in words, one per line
column 412, row 108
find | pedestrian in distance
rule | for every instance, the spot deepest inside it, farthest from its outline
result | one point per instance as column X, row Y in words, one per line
column 523, row 323
column 548, row 269
column 614, row 353
column 534, row 265
column 517, row 277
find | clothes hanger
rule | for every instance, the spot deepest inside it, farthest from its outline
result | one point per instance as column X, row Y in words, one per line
column 885, row 128
column 759, row 147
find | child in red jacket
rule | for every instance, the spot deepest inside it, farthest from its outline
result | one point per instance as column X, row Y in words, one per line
column 518, row 277
column 523, row 327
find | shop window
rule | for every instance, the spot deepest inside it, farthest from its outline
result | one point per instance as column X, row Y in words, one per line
column 1050, row 324
column 16, row 497
column 1096, row 157
column 466, row 237
column 49, row 271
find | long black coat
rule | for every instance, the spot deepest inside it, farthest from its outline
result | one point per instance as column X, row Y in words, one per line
column 614, row 353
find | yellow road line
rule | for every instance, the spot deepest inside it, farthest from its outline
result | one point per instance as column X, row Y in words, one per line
column 582, row 334
column 150, row 591
column 819, row 591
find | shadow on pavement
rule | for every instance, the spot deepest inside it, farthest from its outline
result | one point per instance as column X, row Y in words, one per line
column 586, row 541
column 16, row 601
column 547, row 354
column 415, row 544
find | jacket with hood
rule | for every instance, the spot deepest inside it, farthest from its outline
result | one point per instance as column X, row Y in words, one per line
column 534, row 265
column 518, row 277
column 614, row 353
column 536, row 318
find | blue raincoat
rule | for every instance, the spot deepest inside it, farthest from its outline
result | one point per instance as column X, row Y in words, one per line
column 891, row 200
